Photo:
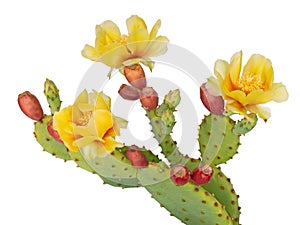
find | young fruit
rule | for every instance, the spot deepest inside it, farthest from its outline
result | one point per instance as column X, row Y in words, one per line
column 53, row 132
column 128, row 92
column 30, row 106
column 135, row 75
column 180, row 175
column 214, row 104
column 136, row 157
column 149, row 98
column 202, row 175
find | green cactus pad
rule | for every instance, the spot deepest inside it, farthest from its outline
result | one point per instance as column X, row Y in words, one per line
column 217, row 142
column 114, row 168
column 47, row 142
column 222, row 189
column 189, row 203
column 245, row 125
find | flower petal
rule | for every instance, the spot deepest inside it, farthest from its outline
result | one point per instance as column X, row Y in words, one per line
column 107, row 32
column 262, row 112
column 280, row 93
column 114, row 55
column 235, row 68
column 221, row 69
column 103, row 121
column 235, row 107
column 155, row 29
column 135, row 23
column 156, row 47
column 90, row 53
column 111, row 144
column 237, row 95
column 84, row 141
column 260, row 66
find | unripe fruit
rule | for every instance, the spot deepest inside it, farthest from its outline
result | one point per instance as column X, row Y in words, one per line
column 53, row 132
column 128, row 92
column 214, row 104
column 30, row 106
column 136, row 157
column 149, row 98
column 135, row 75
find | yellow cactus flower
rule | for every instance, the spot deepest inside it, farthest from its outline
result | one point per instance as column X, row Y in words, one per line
column 245, row 92
column 89, row 122
column 116, row 50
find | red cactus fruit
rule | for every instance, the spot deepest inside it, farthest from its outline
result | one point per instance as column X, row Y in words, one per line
column 53, row 132
column 149, row 98
column 180, row 175
column 30, row 106
column 135, row 75
column 128, row 92
column 202, row 175
column 136, row 157
column 214, row 104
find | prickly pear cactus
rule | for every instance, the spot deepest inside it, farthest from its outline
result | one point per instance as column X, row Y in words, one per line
column 194, row 190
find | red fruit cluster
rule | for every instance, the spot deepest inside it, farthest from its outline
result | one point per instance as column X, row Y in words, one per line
column 180, row 175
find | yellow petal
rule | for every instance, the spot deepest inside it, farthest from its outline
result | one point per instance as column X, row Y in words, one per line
column 114, row 55
column 83, row 131
column 138, row 42
column 156, row 47
column 260, row 66
column 62, row 123
column 90, row 53
column 238, row 96
column 107, row 31
column 121, row 122
column 235, row 68
column 103, row 121
column 235, row 107
column 155, row 29
column 221, row 69
column 100, row 101
column 262, row 112
column 135, row 23
column 280, row 93
column 111, row 144
column 82, row 98
column 84, row 141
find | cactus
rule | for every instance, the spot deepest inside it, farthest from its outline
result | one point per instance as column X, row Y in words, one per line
column 217, row 142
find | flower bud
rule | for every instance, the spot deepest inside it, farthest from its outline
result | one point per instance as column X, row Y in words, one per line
column 149, row 98
column 136, row 157
column 30, row 106
column 214, row 104
column 172, row 99
column 128, row 92
column 135, row 75
column 53, row 132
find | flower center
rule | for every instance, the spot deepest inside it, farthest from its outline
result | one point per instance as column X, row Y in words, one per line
column 250, row 82
column 122, row 40
column 84, row 118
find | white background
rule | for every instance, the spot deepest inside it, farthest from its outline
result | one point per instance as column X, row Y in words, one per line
column 40, row 39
